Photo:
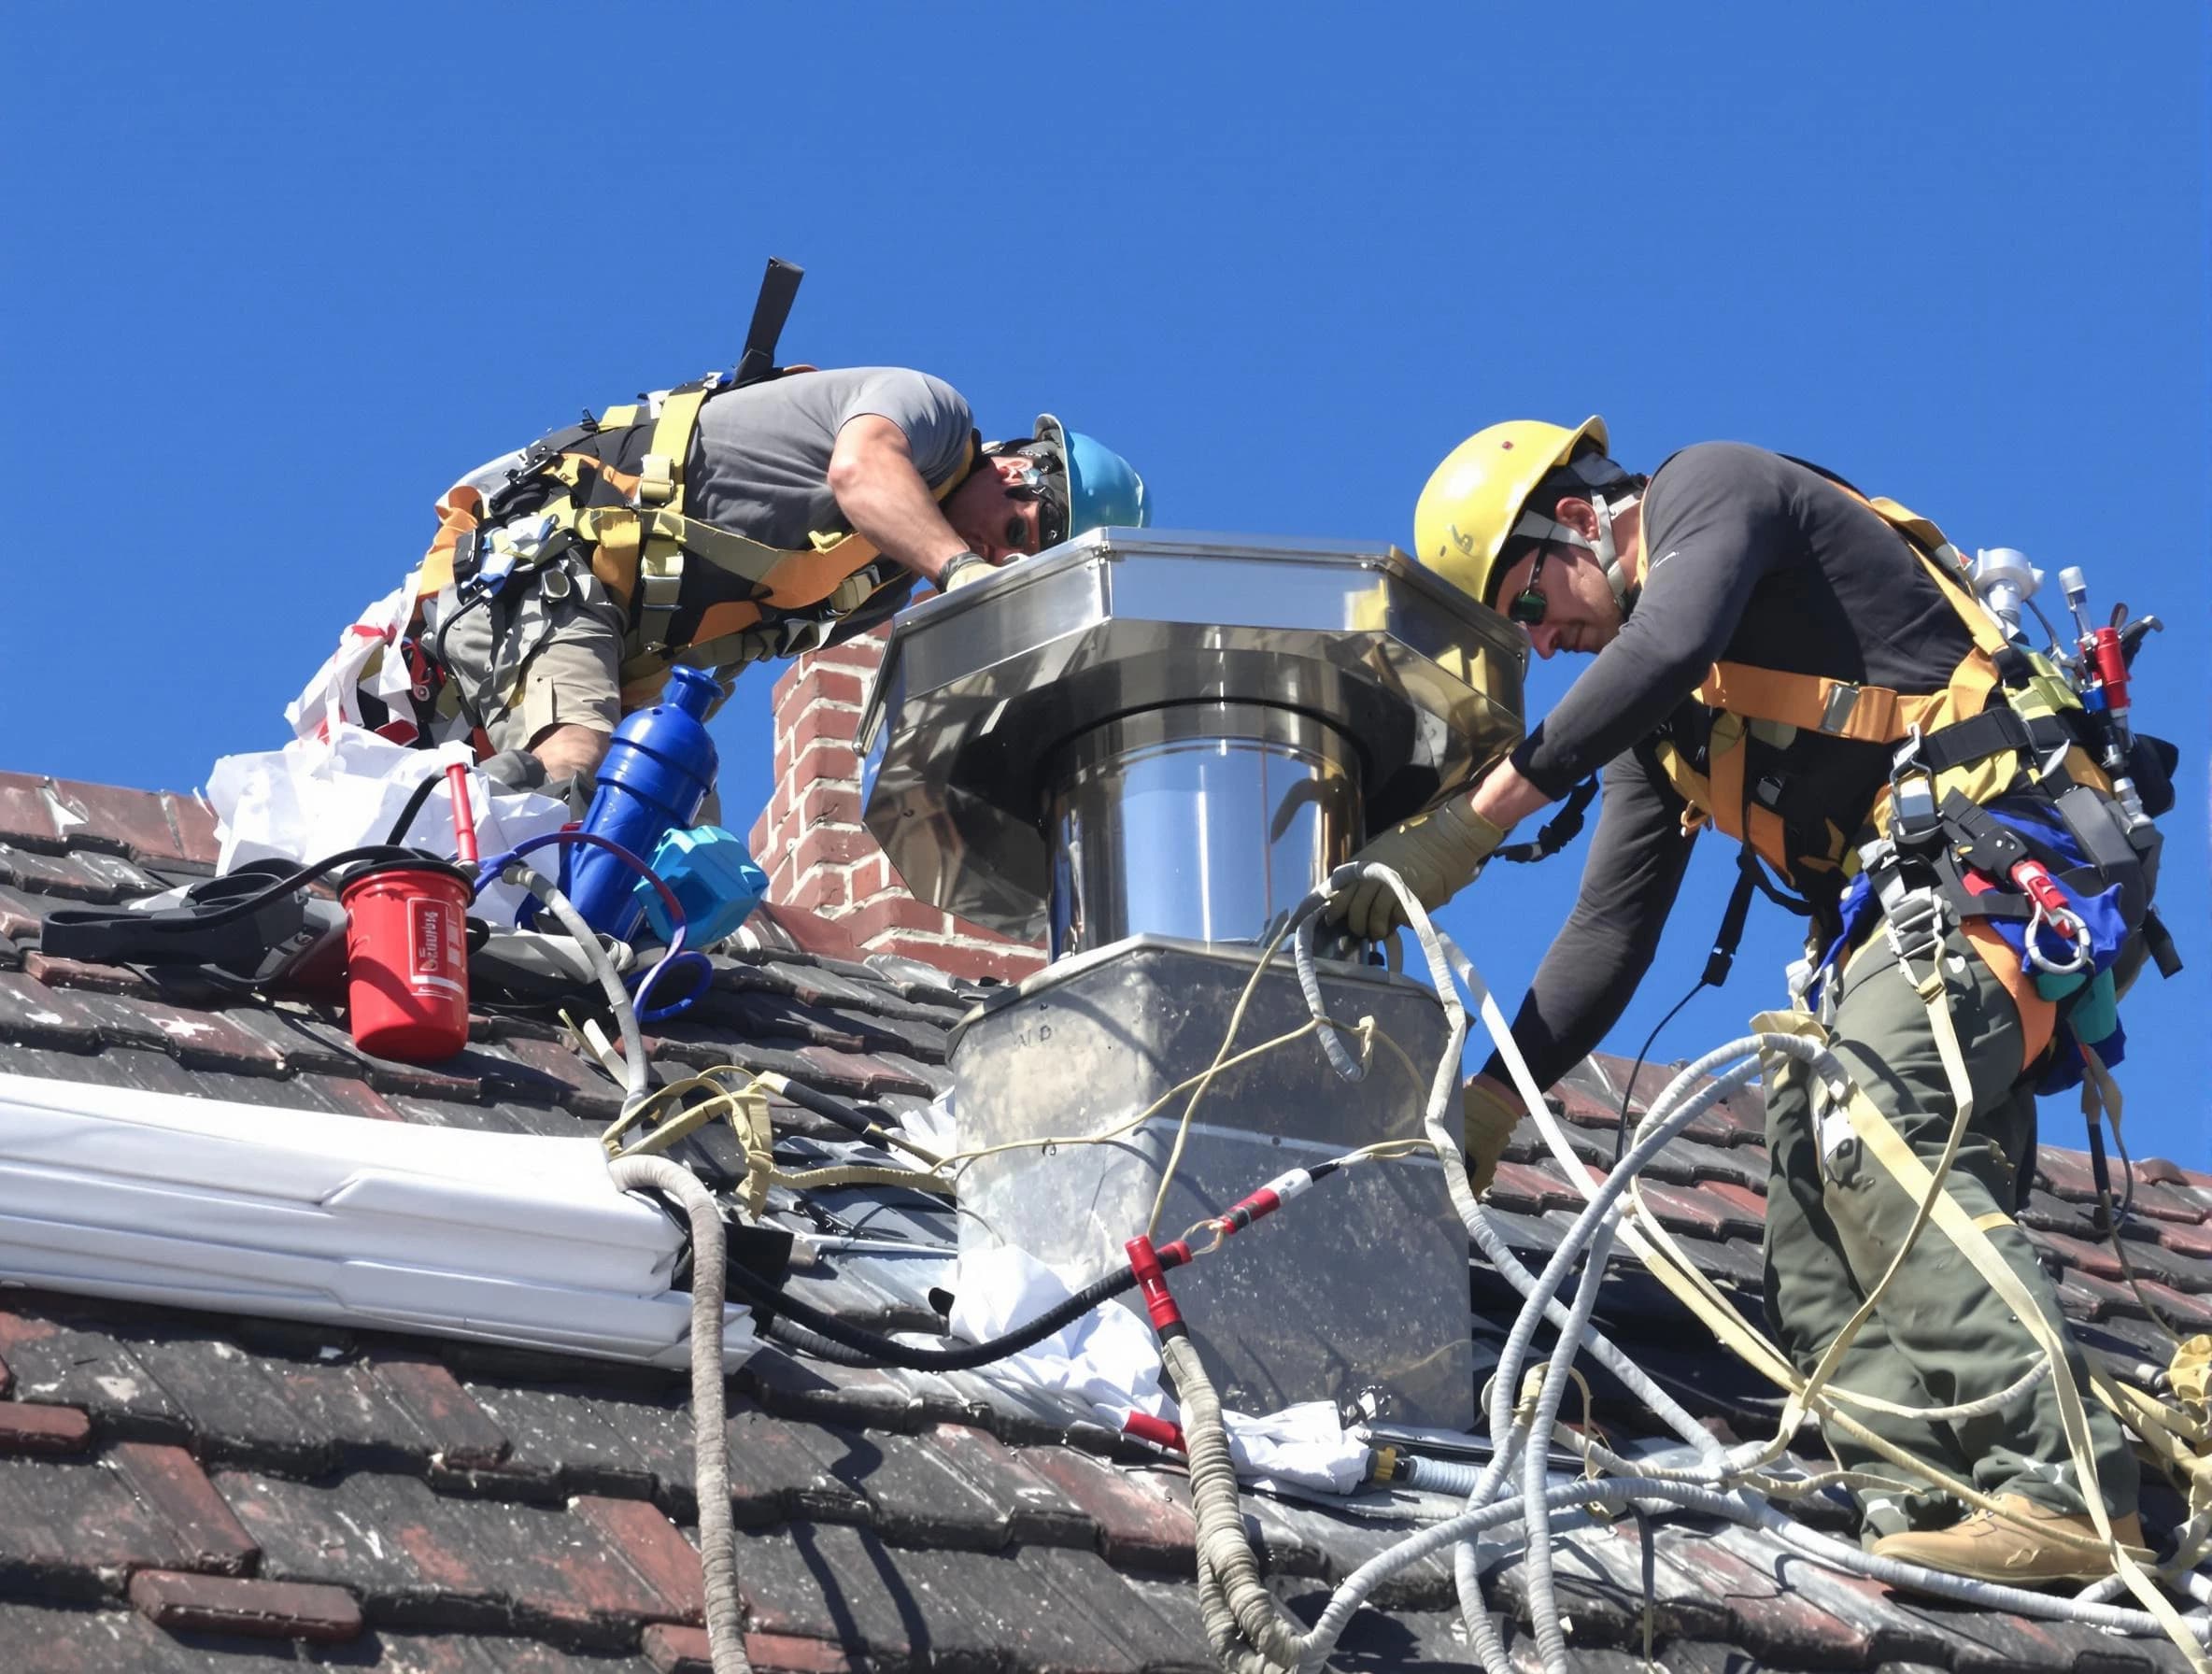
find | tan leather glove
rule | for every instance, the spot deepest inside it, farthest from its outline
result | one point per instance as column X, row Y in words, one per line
column 1438, row 854
column 961, row 569
column 1491, row 1115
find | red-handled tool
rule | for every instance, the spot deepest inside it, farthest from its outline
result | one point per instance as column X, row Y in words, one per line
column 464, row 817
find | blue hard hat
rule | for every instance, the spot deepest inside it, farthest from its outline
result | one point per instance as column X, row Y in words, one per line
column 1103, row 489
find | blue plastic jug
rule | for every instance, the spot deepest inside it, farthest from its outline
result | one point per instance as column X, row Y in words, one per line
column 656, row 771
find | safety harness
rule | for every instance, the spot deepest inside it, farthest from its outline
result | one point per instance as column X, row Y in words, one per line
column 1746, row 787
column 606, row 496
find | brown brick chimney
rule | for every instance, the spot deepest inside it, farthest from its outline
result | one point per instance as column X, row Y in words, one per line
column 817, row 854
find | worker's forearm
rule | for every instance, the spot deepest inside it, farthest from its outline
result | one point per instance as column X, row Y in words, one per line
column 885, row 501
column 1505, row 798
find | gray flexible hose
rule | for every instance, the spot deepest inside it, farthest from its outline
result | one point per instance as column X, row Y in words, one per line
column 710, row 1440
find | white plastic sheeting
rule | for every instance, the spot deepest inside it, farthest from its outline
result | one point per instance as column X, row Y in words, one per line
column 319, row 796
column 300, row 1215
column 1109, row 1359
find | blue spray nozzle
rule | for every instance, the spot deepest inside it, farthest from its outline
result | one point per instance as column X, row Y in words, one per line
column 693, row 691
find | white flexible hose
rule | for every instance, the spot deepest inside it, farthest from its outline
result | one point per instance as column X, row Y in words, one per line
column 1528, row 1436
column 610, row 980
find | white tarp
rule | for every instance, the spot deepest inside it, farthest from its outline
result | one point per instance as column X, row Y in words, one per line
column 317, row 796
column 1108, row 1358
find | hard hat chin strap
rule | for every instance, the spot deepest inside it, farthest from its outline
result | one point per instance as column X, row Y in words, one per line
column 1607, row 553
column 1536, row 525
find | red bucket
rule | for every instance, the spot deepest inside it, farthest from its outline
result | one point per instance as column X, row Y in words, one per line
column 407, row 960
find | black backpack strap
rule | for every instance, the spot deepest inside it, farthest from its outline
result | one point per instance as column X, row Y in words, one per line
column 1562, row 829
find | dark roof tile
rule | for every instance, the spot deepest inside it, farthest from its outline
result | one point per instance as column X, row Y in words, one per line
column 1138, row 1529
column 33, row 1015
column 185, row 1603
column 170, row 1480
column 237, row 1410
column 72, row 1531
column 654, row 1548
column 80, row 974
column 133, row 822
column 824, row 1392
column 420, row 1559
column 2190, row 1313
column 915, row 1494
column 65, row 1356
column 54, row 1638
column 196, row 1039
column 775, row 1473
column 1766, row 1617
column 27, row 812
column 35, row 1428
column 457, row 1431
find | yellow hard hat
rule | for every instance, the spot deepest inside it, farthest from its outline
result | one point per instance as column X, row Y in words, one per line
column 1472, row 503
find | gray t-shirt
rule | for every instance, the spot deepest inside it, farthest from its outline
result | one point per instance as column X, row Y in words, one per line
column 759, row 459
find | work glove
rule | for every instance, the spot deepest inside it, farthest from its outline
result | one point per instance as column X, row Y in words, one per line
column 514, row 770
column 961, row 569
column 1438, row 854
column 1492, row 1113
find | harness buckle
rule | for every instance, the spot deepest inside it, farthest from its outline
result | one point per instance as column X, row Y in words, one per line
column 1835, row 712
column 1915, row 925
column 1914, row 823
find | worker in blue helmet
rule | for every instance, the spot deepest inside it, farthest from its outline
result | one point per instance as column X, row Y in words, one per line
column 1079, row 484
column 714, row 525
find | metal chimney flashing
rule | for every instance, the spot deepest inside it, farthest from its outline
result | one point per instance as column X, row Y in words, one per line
column 982, row 692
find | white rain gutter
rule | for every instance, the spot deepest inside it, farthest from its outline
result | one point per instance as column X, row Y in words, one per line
column 302, row 1214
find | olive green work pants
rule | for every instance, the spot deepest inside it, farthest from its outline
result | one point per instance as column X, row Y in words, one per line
column 1940, row 1337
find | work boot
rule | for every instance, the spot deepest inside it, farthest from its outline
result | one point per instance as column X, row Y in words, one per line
column 1985, row 1548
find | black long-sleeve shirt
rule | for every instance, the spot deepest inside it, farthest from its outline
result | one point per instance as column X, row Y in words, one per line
column 1757, row 560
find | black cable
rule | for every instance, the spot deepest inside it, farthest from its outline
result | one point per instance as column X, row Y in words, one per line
column 886, row 1351
column 421, row 795
column 1629, row 1092
column 438, row 655
column 180, row 921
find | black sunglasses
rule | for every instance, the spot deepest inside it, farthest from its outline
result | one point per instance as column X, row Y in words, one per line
column 1051, row 511
column 1529, row 603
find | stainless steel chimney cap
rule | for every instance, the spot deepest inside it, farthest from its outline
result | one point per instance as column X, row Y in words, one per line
column 979, row 688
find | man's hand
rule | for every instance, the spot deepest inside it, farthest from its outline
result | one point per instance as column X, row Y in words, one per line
column 1438, row 854
column 1491, row 1112
column 960, row 569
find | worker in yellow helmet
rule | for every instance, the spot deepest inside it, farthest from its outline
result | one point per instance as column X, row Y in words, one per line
column 1810, row 672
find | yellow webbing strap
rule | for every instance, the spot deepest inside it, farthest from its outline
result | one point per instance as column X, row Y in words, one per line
column 663, row 485
column 1887, row 1146
column 1935, row 998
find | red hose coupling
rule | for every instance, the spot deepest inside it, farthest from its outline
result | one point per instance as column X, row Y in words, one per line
column 2111, row 665
column 2041, row 888
column 1158, row 1431
column 1153, row 1280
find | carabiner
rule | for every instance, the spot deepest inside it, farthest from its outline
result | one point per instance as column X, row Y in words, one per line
column 2058, row 921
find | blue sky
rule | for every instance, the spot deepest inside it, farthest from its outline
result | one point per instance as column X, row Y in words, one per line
column 278, row 274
